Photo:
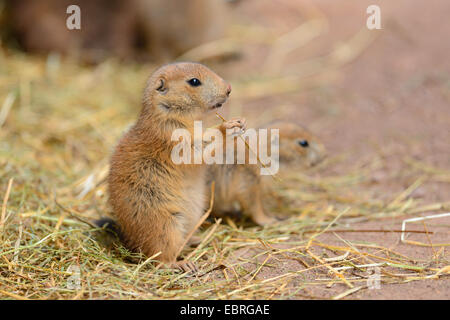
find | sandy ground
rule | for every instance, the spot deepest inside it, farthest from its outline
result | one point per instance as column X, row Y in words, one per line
column 392, row 100
column 423, row 289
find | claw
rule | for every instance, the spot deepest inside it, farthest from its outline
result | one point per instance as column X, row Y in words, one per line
column 194, row 241
column 238, row 126
column 185, row 266
column 265, row 220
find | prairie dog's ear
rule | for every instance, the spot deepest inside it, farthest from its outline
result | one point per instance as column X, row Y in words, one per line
column 161, row 85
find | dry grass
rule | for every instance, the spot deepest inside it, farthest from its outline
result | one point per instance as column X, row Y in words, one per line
column 58, row 123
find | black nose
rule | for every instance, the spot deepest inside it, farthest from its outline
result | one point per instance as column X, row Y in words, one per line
column 228, row 89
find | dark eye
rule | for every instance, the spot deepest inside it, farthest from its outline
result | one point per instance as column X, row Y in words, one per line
column 194, row 82
column 303, row 143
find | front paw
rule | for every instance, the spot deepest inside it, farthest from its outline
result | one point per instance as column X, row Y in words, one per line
column 267, row 220
column 235, row 126
column 184, row 266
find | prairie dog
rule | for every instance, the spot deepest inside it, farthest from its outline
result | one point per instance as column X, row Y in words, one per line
column 157, row 203
column 107, row 27
column 156, row 29
column 241, row 187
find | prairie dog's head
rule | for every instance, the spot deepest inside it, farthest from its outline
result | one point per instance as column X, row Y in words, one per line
column 298, row 146
column 185, row 90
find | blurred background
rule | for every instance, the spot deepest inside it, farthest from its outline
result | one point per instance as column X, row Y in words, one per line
column 378, row 99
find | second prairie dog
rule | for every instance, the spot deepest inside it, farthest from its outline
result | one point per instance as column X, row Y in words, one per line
column 157, row 203
column 241, row 187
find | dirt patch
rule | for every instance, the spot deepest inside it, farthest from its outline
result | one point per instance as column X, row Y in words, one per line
column 377, row 242
column 391, row 103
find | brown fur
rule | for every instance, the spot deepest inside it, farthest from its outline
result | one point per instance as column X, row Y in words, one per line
column 170, row 28
column 108, row 27
column 240, row 188
column 157, row 203
column 156, row 29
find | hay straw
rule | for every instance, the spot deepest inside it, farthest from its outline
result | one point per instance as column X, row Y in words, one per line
column 6, row 107
column 436, row 216
column 5, row 201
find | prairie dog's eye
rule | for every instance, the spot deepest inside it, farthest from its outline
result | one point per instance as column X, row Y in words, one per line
column 303, row 143
column 194, row 82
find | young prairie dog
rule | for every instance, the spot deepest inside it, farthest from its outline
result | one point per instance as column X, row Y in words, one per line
column 157, row 203
column 241, row 187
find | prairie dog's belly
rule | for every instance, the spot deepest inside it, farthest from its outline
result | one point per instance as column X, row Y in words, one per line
column 192, row 201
